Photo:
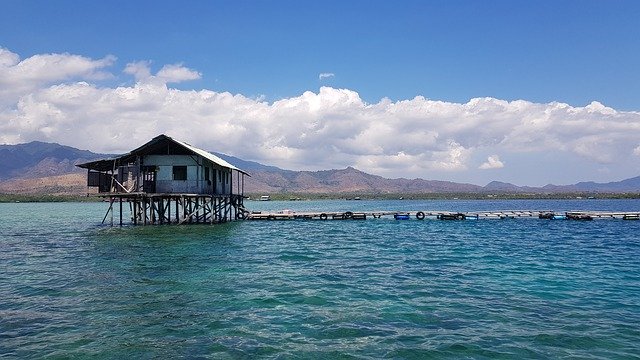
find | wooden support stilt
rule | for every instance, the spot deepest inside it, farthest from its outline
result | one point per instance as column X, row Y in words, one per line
column 197, row 210
column 188, row 208
column 177, row 210
column 111, row 206
column 110, row 209
column 214, row 210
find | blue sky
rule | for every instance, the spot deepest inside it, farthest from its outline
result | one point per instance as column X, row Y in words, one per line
column 542, row 52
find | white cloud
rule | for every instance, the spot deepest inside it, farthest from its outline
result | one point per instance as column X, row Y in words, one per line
column 7, row 58
column 140, row 70
column 19, row 78
column 331, row 128
column 493, row 162
column 326, row 75
column 175, row 73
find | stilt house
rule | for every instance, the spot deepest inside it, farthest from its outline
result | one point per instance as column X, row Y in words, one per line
column 204, row 187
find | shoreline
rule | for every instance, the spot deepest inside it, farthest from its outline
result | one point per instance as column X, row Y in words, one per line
column 443, row 196
column 13, row 198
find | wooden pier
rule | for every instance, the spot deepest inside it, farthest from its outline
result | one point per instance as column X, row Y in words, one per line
column 441, row 215
column 160, row 209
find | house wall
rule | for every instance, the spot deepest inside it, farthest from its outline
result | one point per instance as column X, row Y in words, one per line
column 222, row 186
column 195, row 183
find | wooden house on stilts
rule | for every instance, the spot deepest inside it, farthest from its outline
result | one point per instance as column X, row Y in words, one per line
column 167, row 181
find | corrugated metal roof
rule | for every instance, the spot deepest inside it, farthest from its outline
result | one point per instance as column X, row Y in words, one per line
column 109, row 164
column 207, row 155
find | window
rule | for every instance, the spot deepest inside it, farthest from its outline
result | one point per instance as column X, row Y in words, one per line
column 179, row 173
column 206, row 174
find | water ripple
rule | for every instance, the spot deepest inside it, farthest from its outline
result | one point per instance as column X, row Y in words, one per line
column 308, row 289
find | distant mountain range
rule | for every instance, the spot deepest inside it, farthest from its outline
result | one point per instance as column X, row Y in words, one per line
column 41, row 159
column 39, row 167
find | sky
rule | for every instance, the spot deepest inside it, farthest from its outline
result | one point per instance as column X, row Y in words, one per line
column 527, row 92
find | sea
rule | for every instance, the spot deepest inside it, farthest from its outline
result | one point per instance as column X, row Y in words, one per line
column 71, row 288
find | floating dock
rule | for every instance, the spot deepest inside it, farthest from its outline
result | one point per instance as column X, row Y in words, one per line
column 440, row 215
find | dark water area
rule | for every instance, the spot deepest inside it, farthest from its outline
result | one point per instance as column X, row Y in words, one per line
column 380, row 288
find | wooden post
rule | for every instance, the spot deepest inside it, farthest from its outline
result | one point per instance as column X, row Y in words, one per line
column 214, row 209
column 220, row 205
column 177, row 210
column 152, row 213
column 110, row 209
column 185, row 208
column 226, row 209
column 197, row 210
column 156, row 211
column 211, row 209
column 134, row 206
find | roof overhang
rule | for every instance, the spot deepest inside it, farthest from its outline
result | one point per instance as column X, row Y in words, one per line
column 161, row 144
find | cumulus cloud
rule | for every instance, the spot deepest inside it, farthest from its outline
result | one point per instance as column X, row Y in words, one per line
column 141, row 71
column 177, row 73
column 330, row 128
column 325, row 75
column 21, row 77
column 493, row 162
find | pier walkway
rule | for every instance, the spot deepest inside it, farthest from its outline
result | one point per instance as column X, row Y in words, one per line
column 441, row 215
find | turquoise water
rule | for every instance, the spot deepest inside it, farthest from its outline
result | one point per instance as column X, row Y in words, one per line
column 520, row 288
